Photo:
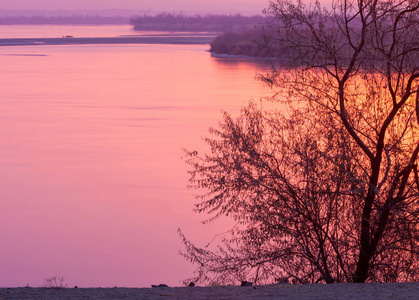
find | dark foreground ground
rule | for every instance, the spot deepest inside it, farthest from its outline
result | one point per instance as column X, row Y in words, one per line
column 393, row 291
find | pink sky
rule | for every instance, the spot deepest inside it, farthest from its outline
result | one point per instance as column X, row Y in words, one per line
column 153, row 5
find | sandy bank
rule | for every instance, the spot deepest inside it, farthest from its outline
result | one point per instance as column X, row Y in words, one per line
column 163, row 39
column 399, row 291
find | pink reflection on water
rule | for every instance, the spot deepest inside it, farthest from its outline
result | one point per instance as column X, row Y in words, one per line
column 92, row 184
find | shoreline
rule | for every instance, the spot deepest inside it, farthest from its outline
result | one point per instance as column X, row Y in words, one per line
column 149, row 39
column 343, row 291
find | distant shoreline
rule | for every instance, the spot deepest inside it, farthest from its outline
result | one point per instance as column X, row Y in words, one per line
column 341, row 291
column 194, row 39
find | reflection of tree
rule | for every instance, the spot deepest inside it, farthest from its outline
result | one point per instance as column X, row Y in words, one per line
column 329, row 192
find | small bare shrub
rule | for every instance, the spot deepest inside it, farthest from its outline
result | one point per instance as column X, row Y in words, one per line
column 55, row 282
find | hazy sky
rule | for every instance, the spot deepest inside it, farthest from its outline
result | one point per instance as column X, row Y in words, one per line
column 153, row 5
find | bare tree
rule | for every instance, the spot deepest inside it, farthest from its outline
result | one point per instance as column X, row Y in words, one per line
column 329, row 192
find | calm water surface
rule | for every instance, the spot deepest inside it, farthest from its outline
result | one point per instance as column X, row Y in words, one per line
column 54, row 31
column 92, row 184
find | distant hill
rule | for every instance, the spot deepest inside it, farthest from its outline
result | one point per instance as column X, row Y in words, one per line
column 68, row 13
column 64, row 20
column 67, row 17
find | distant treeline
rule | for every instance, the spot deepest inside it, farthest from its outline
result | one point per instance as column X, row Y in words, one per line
column 244, row 43
column 240, row 35
column 63, row 20
column 214, row 23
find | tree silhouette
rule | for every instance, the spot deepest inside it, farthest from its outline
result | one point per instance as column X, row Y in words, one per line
column 325, row 187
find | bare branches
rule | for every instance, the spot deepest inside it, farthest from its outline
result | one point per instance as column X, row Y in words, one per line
column 281, row 182
column 330, row 191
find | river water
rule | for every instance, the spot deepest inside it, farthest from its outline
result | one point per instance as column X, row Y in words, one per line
column 92, row 184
